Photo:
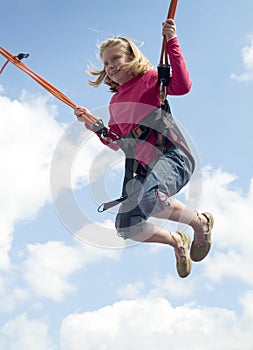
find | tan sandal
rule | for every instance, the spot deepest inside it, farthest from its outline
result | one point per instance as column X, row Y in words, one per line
column 184, row 263
column 199, row 253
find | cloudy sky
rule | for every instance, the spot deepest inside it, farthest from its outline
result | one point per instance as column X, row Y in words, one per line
column 67, row 282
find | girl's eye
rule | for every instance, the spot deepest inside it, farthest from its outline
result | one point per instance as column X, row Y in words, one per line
column 112, row 59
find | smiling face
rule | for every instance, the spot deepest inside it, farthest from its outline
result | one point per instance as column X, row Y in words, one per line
column 115, row 60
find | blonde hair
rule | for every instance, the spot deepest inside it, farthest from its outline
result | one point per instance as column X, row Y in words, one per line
column 138, row 64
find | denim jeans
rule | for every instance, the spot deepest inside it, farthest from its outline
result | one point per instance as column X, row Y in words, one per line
column 150, row 195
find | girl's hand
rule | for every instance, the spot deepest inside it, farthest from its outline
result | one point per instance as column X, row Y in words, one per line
column 80, row 113
column 169, row 29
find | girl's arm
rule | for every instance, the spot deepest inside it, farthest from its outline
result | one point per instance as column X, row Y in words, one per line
column 80, row 114
column 180, row 82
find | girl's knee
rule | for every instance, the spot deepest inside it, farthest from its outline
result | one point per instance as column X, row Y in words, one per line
column 134, row 226
column 133, row 222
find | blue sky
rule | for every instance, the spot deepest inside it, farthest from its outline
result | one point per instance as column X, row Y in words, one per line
column 56, row 290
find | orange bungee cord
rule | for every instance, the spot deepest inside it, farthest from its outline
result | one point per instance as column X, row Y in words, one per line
column 171, row 14
column 90, row 119
column 164, row 66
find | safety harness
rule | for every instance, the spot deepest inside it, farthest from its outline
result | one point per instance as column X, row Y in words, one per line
column 159, row 122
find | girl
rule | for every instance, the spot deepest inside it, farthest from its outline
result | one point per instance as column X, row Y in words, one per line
column 158, row 177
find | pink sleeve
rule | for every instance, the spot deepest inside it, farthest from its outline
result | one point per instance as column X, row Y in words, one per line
column 111, row 145
column 180, row 82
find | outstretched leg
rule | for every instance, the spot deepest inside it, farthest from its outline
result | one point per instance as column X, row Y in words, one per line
column 178, row 212
column 202, row 225
column 179, row 241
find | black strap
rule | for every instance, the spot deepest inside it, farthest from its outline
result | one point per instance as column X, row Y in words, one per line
column 111, row 204
column 129, row 174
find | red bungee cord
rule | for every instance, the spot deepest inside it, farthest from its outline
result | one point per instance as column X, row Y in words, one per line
column 90, row 119
column 171, row 14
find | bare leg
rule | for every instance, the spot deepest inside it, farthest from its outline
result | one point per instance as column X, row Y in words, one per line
column 155, row 234
column 178, row 212
column 179, row 241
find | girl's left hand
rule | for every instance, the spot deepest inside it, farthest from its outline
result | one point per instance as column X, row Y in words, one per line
column 169, row 29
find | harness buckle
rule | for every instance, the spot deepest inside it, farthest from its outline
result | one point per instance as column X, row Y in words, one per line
column 163, row 91
column 22, row 55
column 139, row 132
column 163, row 79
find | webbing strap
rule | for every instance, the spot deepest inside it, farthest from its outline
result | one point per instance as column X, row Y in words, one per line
column 16, row 60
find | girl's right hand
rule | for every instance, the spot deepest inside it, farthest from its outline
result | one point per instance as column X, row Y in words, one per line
column 80, row 113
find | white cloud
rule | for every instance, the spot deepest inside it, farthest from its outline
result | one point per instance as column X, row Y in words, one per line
column 153, row 323
column 230, row 264
column 80, row 158
column 247, row 60
column 11, row 295
column 81, row 161
column 231, row 253
column 172, row 286
column 49, row 266
column 24, row 333
column 28, row 134
column 131, row 290
column 71, row 159
column 102, row 235
column 246, row 302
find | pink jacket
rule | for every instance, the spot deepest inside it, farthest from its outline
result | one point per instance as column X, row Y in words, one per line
column 138, row 97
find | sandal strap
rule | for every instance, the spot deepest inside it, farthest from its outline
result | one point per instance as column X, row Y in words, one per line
column 181, row 252
column 209, row 219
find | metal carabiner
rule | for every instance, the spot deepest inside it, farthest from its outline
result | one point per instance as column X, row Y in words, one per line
column 21, row 55
column 163, row 91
